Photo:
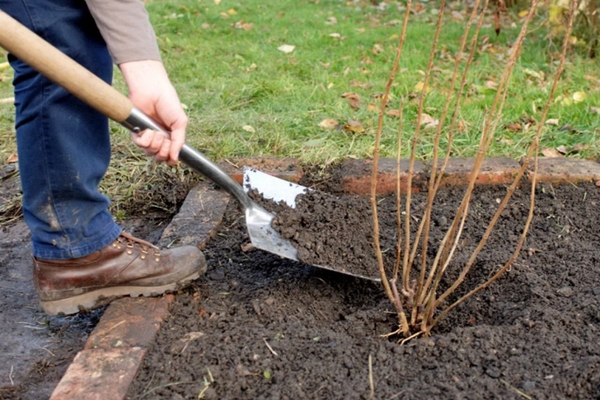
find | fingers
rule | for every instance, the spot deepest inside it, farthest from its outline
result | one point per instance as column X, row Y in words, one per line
column 177, row 139
column 154, row 144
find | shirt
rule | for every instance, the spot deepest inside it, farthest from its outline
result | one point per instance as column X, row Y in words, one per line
column 126, row 28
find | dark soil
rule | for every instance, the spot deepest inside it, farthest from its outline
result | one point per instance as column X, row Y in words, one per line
column 258, row 326
column 332, row 231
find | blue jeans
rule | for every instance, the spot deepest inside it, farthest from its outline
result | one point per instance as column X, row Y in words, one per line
column 63, row 145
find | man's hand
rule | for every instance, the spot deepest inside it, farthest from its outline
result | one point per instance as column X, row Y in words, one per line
column 151, row 91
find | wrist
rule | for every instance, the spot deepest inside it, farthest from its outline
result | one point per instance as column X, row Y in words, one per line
column 144, row 75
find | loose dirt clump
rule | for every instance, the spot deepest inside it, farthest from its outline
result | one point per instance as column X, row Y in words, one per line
column 328, row 230
column 258, row 326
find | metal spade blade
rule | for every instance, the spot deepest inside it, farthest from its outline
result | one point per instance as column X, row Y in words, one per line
column 279, row 190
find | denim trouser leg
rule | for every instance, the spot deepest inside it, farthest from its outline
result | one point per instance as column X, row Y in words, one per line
column 63, row 145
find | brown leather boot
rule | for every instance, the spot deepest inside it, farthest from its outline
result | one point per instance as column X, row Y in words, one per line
column 127, row 267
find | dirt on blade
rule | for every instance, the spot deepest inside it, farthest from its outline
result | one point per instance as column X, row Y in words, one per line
column 332, row 231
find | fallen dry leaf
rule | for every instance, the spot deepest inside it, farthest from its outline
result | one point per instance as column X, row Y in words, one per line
column 491, row 85
column 331, row 21
column 579, row 97
column 514, row 127
column 372, row 107
column 552, row 121
column 329, row 123
column 562, row 149
column 286, row 48
column 354, row 126
column 247, row 26
column 428, row 121
column 551, row 153
column 539, row 75
column 580, row 147
column 393, row 113
column 7, row 100
column 353, row 100
column 361, row 85
column 12, row 158
column 419, row 87
column 335, row 35
column 563, row 100
column 377, row 49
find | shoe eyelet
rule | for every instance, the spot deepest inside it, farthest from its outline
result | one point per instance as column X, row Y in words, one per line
column 143, row 256
column 130, row 252
column 157, row 259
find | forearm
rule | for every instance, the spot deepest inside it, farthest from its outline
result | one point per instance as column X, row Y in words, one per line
column 144, row 76
column 125, row 26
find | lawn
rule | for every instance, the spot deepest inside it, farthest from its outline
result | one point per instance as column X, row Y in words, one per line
column 248, row 98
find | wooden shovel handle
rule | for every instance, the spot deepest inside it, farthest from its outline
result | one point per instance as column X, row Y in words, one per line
column 61, row 69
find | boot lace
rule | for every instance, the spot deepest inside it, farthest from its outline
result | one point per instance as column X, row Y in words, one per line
column 130, row 242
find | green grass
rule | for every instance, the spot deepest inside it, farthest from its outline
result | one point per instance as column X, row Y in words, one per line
column 246, row 98
column 231, row 78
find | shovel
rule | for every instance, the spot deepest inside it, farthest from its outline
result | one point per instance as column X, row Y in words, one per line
column 61, row 69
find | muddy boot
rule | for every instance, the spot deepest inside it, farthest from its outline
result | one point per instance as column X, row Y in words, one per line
column 127, row 267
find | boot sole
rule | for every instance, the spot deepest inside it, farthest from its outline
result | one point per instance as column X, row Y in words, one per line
column 101, row 297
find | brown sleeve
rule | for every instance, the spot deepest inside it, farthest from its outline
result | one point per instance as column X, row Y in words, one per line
column 126, row 28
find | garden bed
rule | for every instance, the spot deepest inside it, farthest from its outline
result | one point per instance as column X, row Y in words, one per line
column 258, row 326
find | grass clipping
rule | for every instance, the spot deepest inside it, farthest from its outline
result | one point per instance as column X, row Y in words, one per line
column 414, row 291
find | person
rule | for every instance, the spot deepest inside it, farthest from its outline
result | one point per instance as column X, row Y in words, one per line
column 82, row 258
